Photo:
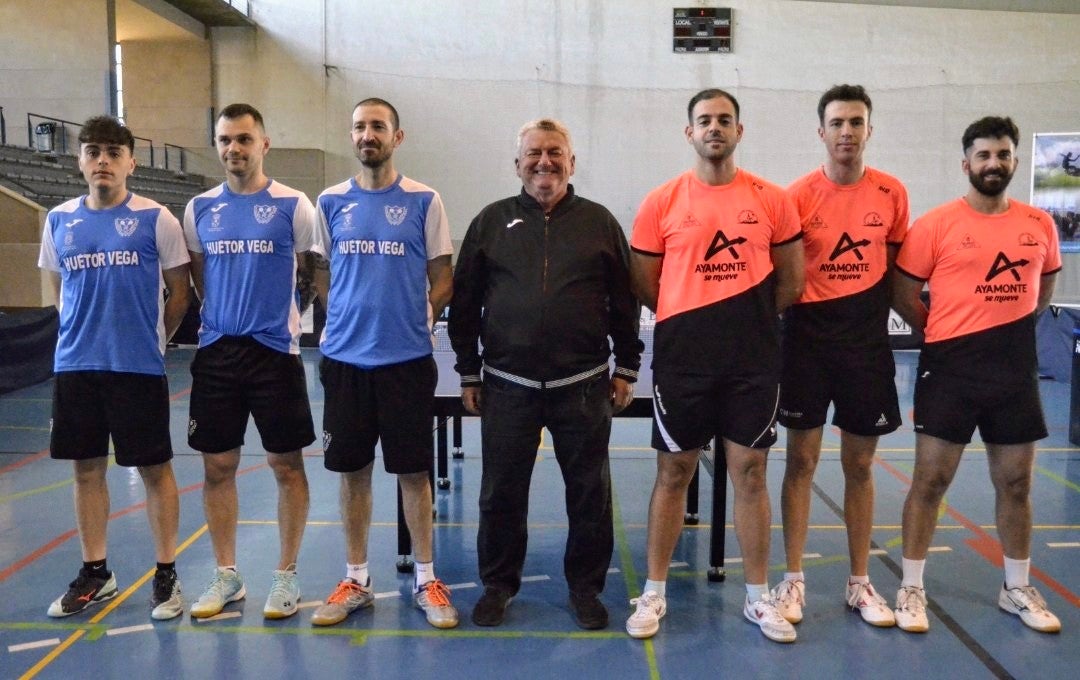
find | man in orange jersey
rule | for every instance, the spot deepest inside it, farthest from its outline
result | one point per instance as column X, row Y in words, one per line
column 991, row 262
column 717, row 253
column 836, row 342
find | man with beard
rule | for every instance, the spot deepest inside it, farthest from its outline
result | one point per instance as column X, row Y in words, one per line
column 389, row 276
column 717, row 253
column 542, row 282
column 991, row 263
column 246, row 237
column 836, row 342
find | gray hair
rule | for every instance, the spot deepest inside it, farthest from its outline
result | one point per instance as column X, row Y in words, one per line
column 546, row 125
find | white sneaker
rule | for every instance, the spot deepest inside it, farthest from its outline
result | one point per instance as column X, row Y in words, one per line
column 790, row 598
column 872, row 607
column 1029, row 605
column 645, row 620
column 766, row 614
column 911, row 610
column 227, row 586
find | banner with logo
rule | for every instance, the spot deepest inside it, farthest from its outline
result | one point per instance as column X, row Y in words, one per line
column 1055, row 183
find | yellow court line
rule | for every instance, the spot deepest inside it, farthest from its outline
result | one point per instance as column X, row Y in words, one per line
column 27, row 428
column 1057, row 478
column 33, row 492
column 74, row 637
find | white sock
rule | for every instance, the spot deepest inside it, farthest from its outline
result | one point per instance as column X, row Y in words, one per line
column 658, row 587
column 858, row 579
column 913, row 572
column 425, row 573
column 794, row 576
column 358, row 573
column 1016, row 573
column 756, row 591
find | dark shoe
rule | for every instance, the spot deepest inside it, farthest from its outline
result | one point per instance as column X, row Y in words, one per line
column 589, row 612
column 490, row 609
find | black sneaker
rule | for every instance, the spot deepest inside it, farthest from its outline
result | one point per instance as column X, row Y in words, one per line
column 490, row 609
column 85, row 590
column 166, row 600
column 589, row 612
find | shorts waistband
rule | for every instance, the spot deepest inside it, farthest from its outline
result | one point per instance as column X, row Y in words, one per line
column 545, row 384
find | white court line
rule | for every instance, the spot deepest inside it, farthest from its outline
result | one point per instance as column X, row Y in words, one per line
column 462, row 586
column 733, row 560
column 1074, row 544
column 675, row 565
column 34, row 645
column 879, row 551
column 307, row 605
column 219, row 617
column 811, row 556
column 939, row 548
column 129, row 629
column 541, row 577
column 389, row 593
column 613, row 570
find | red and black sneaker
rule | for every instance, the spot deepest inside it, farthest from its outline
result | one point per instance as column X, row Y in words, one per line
column 85, row 590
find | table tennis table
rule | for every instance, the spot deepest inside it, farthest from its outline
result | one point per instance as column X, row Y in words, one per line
column 449, row 413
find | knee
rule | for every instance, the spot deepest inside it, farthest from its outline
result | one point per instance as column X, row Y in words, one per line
column 929, row 489
column 858, row 471
column 750, row 476
column 217, row 470
column 674, row 473
column 288, row 468
column 799, row 466
column 1015, row 488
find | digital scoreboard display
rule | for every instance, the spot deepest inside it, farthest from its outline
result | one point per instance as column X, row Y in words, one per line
column 701, row 29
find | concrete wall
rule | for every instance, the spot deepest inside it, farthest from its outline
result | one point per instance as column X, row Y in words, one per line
column 167, row 91
column 54, row 60
column 464, row 79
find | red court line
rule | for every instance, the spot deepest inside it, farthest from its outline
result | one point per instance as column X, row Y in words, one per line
column 51, row 545
column 25, row 461
column 986, row 545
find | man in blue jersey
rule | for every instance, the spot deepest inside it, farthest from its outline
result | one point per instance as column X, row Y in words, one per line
column 109, row 254
column 246, row 237
column 388, row 245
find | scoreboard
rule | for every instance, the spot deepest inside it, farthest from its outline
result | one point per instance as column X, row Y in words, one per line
column 701, row 29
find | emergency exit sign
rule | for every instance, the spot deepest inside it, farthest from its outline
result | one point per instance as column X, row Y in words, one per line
column 702, row 29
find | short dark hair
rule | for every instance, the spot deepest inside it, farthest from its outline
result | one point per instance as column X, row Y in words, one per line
column 234, row 111
column 991, row 127
column 711, row 93
column 375, row 101
column 843, row 93
column 106, row 130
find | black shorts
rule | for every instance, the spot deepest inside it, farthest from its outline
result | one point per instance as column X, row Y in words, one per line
column 90, row 406
column 950, row 408
column 238, row 376
column 859, row 381
column 394, row 405
column 688, row 410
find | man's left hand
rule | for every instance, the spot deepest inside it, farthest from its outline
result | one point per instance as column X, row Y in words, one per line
column 622, row 393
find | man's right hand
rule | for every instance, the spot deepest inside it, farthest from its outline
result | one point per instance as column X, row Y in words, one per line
column 470, row 399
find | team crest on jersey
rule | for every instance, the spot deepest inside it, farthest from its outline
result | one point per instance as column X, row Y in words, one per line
column 968, row 242
column 215, row 222
column 872, row 219
column 69, row 239
column 346, row 222
column 747, row 217
column 1027, row 239
column 395, row 214
column 816, row 222
column 265, row 213
column 126, row 226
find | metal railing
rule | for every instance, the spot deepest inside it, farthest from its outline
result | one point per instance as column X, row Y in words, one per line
column 56, row 134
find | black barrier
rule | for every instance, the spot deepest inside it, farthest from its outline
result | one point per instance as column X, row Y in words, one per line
column 1074, row 405
column 27, row 345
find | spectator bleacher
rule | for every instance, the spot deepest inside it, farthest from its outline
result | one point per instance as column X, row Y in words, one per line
column 51, row 179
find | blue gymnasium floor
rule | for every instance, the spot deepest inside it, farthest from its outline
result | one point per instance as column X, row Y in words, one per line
column 704, row 634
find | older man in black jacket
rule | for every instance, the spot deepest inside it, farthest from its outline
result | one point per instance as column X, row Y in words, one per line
column 542, row 280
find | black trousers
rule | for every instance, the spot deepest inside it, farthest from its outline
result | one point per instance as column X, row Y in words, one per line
column 579, row 419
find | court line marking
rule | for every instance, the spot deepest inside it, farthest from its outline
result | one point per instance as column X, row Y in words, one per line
column 538, row 577
column 33, row 645
column 25, row 461
column 217, row 617
column 40, row 489
column 129, row 629
column 626, row 560
column 1073, row 544
column 1057, row 478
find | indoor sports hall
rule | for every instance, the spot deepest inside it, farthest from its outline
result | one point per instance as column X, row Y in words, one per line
column 465, row 77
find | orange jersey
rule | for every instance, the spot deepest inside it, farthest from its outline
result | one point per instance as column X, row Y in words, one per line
column 716, row 241
column 716, row 311
column 845, row 231
column 984, row 270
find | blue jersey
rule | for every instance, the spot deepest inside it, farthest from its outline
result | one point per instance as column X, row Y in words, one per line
column 248, row 243
column 110, row 263
column 379, row 243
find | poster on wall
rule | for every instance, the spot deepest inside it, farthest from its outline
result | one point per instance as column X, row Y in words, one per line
column 1055, row 183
